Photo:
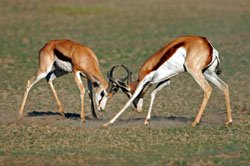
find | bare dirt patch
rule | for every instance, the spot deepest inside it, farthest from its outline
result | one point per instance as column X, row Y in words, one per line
column 73, row 119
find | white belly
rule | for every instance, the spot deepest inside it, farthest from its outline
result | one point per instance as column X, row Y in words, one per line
column 63, row 65
column 170, row 68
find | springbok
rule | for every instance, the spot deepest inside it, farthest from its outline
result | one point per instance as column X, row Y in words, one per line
column 59, row 57
column 193, row 54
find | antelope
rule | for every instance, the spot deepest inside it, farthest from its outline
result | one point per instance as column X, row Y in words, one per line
column 192, row 54
column 59, row 57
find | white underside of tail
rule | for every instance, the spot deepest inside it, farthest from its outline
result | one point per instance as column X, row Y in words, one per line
column 214, row 63
column 215, row 55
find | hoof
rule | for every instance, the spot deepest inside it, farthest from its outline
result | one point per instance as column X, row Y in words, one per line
column 20, row 118
column 194, row 123
column 146, row 122
column 137, row 110
column 83, row 124
column 228, row 123
column 61, row 111
column 106, row 125
column 62, row 115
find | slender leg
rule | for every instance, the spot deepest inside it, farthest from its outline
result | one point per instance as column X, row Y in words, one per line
column 45, row 65
column 224, row 88
column 78, row 81
column 159, row 87
column 61, row 110
column 29, row 85
column 50, row 77
column 90, row 92
column 199, row 78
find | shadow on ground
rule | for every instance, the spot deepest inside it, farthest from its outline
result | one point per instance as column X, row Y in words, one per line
column 67, row 115
column 91, row 122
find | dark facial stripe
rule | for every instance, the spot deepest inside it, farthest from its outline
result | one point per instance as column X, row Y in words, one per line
column 169, row 53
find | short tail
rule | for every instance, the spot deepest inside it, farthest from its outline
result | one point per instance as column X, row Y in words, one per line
column 218, row 69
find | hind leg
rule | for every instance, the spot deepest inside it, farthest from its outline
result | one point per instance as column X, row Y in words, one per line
column 212, row 76
column 30, row 83
column 77, row 78
column 199, row 78
column 45, row 65
column 50, row 77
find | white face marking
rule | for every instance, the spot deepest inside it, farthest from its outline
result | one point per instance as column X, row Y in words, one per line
column 103, row 103
column 173, row 66
column 101, row 99
column 66, row 66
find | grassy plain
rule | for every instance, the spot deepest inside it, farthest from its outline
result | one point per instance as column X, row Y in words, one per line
column 124, row 32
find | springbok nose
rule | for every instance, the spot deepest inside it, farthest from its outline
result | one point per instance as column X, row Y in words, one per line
column 100, row 109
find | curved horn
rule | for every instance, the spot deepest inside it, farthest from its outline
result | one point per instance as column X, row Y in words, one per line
column 128, row 77
column 110, row 73
column 118, row 82
column 112, row 81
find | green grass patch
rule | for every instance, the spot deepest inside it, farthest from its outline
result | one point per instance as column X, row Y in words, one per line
column 79, row 10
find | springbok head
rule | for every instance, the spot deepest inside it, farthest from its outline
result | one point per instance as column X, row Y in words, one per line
column 115, row 84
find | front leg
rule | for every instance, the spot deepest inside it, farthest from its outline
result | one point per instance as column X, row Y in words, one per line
column 159, row 87
column 79, row 83
column 90, row 92
column 138, row 102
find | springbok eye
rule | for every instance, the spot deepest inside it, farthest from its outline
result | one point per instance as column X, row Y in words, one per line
column 102, row 94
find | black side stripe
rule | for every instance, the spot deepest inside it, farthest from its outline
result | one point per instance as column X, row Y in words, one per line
column 61, row 56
